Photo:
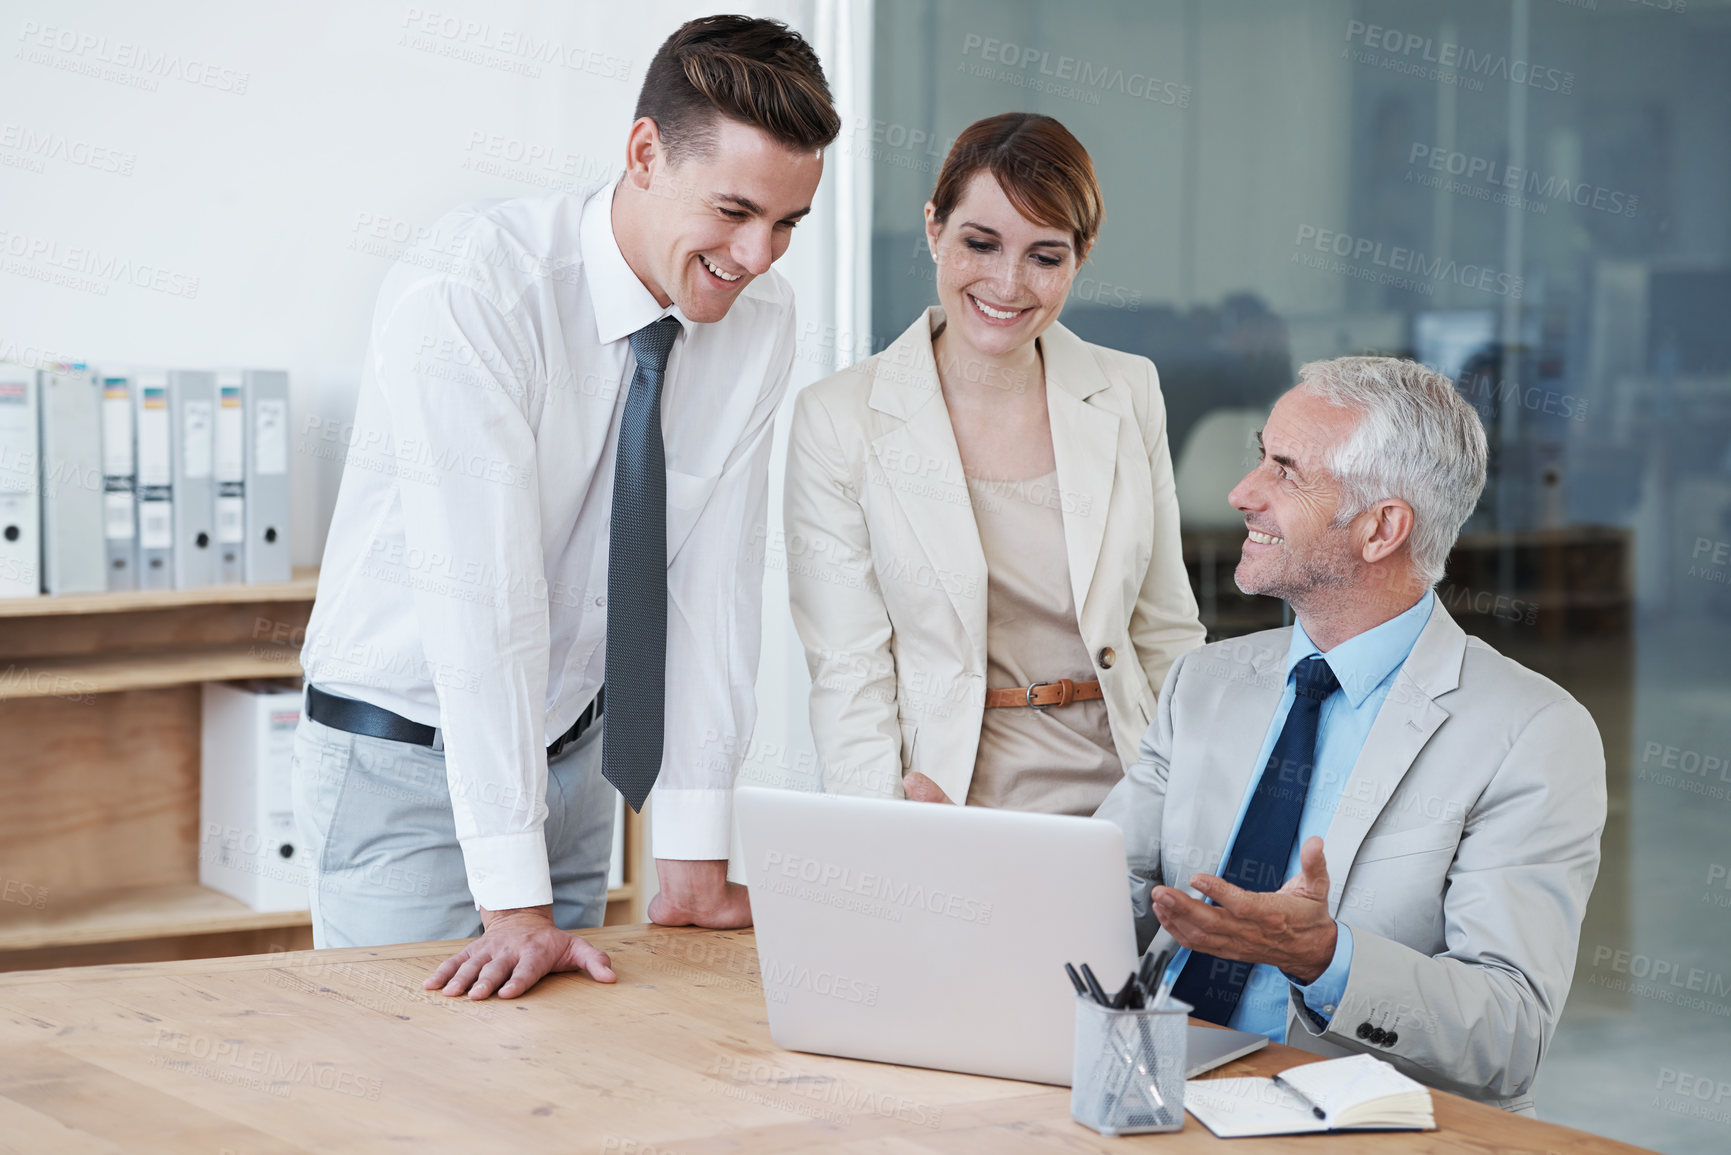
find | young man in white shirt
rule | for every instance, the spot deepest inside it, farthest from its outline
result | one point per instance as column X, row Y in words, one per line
column 559, row 456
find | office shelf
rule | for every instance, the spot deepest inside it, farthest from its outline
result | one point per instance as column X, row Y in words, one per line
column 77, row 675
column 101, row 721
column 298, row 589
column 136, row 913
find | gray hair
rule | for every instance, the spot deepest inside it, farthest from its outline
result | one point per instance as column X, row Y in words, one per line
column 1417, row 439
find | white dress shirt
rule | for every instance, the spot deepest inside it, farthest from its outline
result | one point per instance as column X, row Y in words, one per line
column 465, row 578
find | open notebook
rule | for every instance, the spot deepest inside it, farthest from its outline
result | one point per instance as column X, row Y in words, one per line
column 1359, row 1093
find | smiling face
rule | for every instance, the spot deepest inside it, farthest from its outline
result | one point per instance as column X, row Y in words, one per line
column 1289, row 501
column 711, row 223
column 1002, row 279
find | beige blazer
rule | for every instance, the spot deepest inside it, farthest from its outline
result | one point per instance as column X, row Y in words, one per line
column 888, row 580
column 1462, row 853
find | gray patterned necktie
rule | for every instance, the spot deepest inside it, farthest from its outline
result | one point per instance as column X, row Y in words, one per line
column 637, row 578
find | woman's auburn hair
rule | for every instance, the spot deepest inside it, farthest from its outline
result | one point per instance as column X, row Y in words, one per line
column 1042, row 168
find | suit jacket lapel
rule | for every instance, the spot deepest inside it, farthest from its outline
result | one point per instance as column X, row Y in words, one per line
column 1408, row 718
column 923, row 469
column 1085, row 445
column 1241, row 708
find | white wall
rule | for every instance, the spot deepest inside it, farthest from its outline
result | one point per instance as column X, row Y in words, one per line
column 228, row 184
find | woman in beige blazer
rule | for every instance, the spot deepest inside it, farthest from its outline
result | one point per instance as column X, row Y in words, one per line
column 981, row 525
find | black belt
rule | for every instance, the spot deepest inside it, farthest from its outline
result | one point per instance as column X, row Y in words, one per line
column 352, row 717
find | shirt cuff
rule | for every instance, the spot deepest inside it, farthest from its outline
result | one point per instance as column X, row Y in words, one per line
column 507, row 871
column 695, row 825
column 1323, row 996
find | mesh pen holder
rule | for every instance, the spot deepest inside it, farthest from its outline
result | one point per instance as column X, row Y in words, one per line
column 1128, row 1077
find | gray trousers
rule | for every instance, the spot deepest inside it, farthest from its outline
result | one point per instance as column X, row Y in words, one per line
column 375, row 824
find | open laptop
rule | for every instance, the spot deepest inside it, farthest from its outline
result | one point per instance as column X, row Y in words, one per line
column 936, row 936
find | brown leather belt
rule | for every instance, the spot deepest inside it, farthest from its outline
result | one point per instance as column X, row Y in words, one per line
column 1042, row 695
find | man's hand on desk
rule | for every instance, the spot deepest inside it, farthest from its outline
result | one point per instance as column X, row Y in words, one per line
column 516, row 948
column 697, row 893
column 1289, row 928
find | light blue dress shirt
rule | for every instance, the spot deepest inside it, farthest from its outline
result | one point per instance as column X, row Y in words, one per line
column 1365, row 665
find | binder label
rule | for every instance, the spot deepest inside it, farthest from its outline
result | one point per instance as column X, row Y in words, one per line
column 230, row 438
column 117, row 429
column 156, row 524
column 270, row 449
column 195, row 444
column 117, row 515
column 155, row 466
column 231, row 519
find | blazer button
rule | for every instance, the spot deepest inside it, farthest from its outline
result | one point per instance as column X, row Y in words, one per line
column 1364, row 1030
column 1378, row 1036
column 1390, row 1039
column 1106, row 657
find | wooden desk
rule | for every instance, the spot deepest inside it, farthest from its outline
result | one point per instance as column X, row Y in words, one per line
column 341, row 1051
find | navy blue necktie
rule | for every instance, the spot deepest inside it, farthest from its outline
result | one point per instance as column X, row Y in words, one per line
column 1264, row 844
column 637, row 578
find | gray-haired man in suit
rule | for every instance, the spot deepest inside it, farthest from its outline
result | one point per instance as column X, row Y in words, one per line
column 1402, row 824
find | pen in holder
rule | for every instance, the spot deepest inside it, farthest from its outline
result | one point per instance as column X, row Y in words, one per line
column 1128, row 1076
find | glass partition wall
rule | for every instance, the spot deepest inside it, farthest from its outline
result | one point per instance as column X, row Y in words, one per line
column 1531, row 196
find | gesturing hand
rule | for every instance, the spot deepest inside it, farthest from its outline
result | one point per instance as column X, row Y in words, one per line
column 919, row 788
column 1289, row 928
column 517, row 948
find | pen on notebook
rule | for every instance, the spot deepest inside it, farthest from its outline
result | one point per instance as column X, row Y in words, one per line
column 1314, row 1109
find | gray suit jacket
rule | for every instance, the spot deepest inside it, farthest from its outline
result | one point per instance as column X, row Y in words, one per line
column 1462, row 853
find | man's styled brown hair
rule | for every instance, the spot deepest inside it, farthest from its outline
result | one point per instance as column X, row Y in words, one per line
column 1044, row 171
column 758, row 72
